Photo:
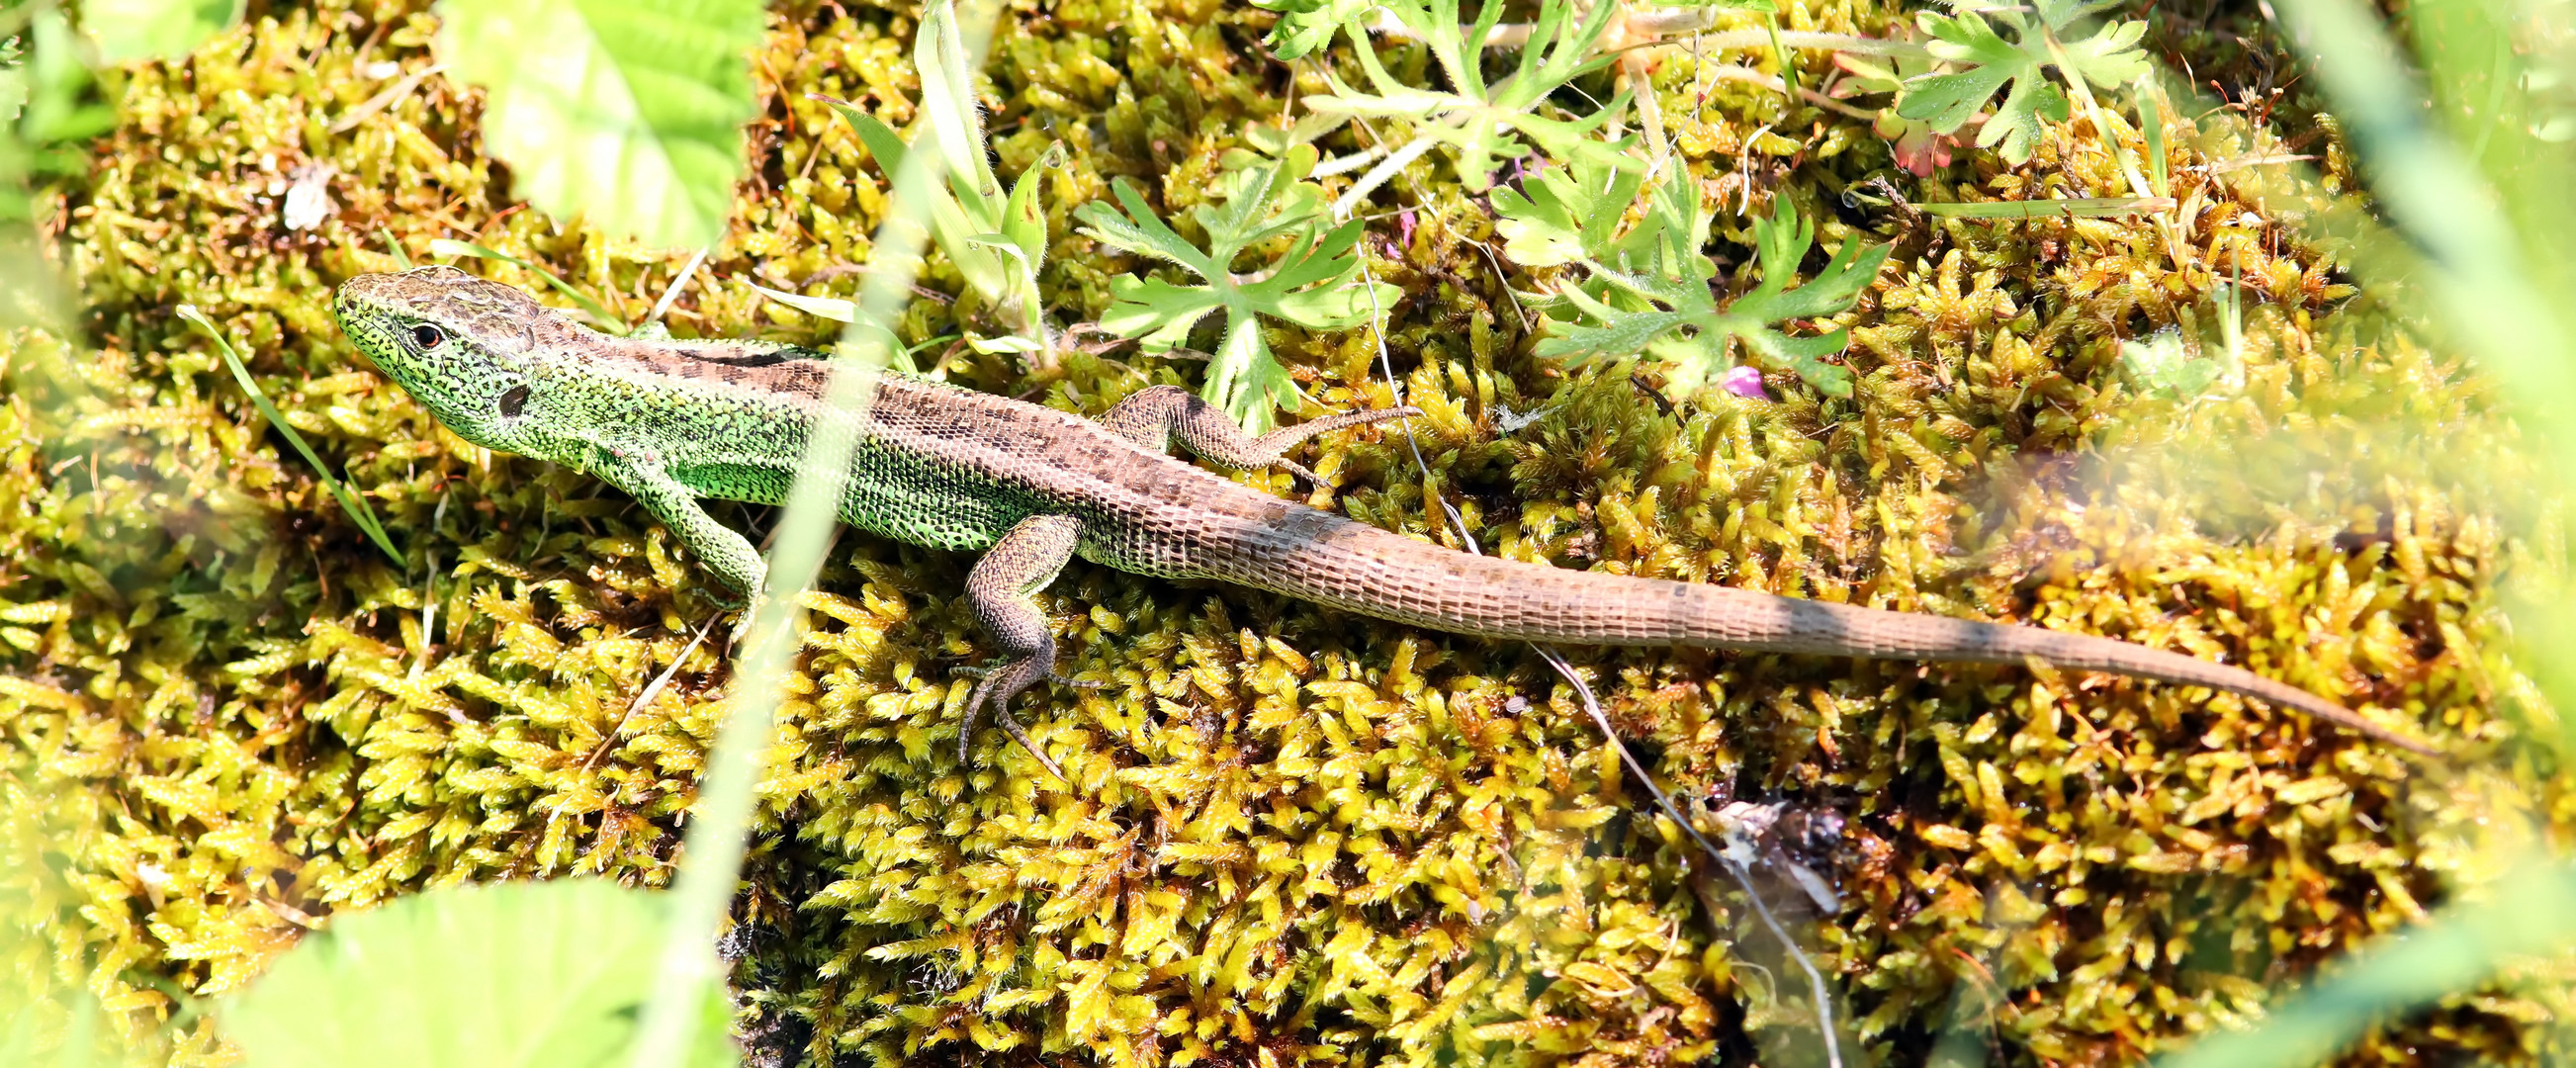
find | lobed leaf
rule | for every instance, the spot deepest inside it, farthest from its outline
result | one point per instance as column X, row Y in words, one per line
column 1662, row 305
column 1140, row 231
column 1946, row 101
column 1308, row 286
column 1306, row 25
column 1481, row 123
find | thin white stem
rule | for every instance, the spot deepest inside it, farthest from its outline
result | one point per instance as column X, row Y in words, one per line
column 385, row 99
column 1347, row 164
column 1591, row 704
column 428, row 614
column 651, row 691
column 1378, row 175
column 672, row 292
column 1732, row 73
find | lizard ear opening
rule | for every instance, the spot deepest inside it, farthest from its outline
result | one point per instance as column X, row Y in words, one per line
column 512, row 400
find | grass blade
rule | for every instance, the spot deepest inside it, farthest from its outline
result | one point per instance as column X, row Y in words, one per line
column 720, row 821
column 2531, row 914
column 2070, row 208
column 357, row 508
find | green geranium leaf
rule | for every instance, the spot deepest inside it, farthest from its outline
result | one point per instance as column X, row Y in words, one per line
column 2160, row 366
column 1657, row 298
column 628, row 114
column 515, row 975
column 1988, row 62
column 1482, row 123
column 1309, row 285
column 1306, row 25
column 1565, row 214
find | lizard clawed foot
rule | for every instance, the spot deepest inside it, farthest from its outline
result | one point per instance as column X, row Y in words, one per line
column 1278, row 441
column 973, row 672
column 999, row 685
column 1012, row 727
column 745, row 610
column 1300, row 472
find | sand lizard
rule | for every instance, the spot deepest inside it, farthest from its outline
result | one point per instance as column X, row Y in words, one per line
column 1031, row 487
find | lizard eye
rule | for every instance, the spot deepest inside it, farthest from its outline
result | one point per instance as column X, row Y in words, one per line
column 512, row 400
column 427, row 336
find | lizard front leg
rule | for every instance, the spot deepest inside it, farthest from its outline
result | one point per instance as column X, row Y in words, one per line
column 1003, row 590
column 720, row 548
column 1154, row 416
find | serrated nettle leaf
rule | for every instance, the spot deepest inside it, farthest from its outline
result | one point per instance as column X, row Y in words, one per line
column 627, row 114
column 512, row 975
column 127, row 30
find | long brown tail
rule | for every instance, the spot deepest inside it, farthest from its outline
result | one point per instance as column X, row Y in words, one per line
column 1363, row 569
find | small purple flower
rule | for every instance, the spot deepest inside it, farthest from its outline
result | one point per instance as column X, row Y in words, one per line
column 1745, row 382
column 1404, row 227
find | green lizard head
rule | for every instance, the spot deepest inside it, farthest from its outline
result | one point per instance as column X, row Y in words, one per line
column 458, row 344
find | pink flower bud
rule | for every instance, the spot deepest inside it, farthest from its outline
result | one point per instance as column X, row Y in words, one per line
column 1745, row 382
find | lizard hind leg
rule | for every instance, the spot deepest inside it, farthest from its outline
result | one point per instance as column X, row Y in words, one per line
column 1002, row 589
column 1156, row 415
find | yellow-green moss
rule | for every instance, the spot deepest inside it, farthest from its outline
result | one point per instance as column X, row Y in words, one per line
column 1292, row 836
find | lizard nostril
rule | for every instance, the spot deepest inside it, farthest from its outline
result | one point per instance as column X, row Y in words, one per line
column 512, row 400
